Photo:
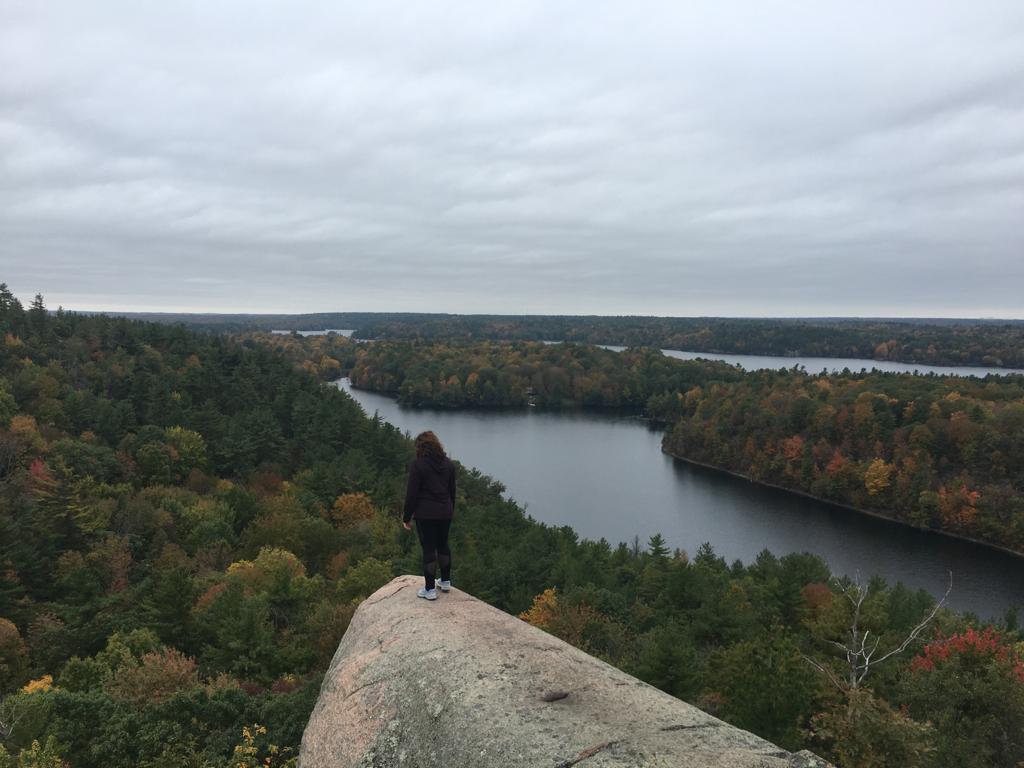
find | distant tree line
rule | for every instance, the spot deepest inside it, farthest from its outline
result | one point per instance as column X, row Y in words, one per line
column 925, row 341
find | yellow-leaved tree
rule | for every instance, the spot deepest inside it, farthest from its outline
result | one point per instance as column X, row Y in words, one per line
column 877, row 477
column 350, row 509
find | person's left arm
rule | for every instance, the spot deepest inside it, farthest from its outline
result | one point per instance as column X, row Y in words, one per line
column 451, row 486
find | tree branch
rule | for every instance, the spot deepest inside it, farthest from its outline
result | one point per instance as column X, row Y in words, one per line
column 920, row 627
column 862, row 647
column 824, row 670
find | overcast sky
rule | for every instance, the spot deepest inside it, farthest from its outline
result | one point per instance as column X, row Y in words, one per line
column 755, row 158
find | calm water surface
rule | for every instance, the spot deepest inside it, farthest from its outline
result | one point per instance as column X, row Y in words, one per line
column 831, row 364
column 606, row 477
column 323, row 332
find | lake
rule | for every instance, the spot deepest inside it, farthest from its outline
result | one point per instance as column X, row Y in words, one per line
column 830, row 364
column 322, row 332
column 607, row 478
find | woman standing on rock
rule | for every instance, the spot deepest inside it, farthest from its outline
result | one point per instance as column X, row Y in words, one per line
column 430, row 500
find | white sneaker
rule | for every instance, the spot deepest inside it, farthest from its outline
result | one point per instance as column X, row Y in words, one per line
column 445, row 586
column 428, row 594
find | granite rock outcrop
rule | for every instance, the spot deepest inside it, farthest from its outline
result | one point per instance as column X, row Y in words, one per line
column 456, row 683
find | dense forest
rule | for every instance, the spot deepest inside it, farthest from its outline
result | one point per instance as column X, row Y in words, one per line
column 929, row 342
column 502, row 375
column 188, row 521
column 941, row 453
column 327, row 357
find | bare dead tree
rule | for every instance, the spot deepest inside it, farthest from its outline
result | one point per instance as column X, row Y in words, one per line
column 860, row 648
column 9, row 717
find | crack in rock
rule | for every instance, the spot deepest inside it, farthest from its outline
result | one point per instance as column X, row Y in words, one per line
column 364, row 685
column 589, row 752
column 385, row 597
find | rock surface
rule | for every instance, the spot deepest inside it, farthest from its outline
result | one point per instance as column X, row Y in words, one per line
column 457, row 683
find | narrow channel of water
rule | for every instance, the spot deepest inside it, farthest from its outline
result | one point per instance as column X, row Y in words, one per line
column 607, row 478
column 323, row 332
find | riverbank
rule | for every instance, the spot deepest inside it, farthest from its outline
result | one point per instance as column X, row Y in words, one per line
column 847, row 507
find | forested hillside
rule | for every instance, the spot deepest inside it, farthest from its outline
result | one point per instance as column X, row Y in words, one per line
column 490, row 374
column 941, row 453
column 187, row 522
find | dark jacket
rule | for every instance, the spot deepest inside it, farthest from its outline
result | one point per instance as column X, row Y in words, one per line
column 430, row 494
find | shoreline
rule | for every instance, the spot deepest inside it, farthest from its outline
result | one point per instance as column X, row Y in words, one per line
column 1004, row 370
column 846, row 507
column 917, row 368
column 610, row 410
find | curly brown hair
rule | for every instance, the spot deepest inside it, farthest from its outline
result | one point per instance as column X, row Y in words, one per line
column 428, row 446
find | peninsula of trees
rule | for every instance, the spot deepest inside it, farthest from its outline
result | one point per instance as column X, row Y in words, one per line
column 504, row 375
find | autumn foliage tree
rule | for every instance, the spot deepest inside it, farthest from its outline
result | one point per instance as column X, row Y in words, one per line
column 970, row 685
column 935, row 452
column 350, row 509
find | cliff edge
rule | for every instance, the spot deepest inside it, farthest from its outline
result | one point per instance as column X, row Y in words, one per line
column 458, row 683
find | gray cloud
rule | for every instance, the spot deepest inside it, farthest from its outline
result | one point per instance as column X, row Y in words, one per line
column 734, row 158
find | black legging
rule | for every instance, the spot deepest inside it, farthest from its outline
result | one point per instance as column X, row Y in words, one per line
column 434, row 540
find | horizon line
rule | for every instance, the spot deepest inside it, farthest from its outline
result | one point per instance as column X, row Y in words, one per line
column 225, row 314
